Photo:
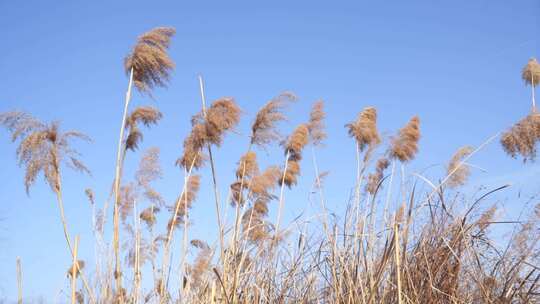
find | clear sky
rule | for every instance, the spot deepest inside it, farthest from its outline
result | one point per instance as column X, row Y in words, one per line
column 456, row 64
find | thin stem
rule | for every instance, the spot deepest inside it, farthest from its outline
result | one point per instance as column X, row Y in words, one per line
column 19, row 281
column 280, row 209
column 74, row 269
column 212, row 166
column 121, row 147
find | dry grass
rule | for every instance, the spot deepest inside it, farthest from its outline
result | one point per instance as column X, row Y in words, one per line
column 431, row 249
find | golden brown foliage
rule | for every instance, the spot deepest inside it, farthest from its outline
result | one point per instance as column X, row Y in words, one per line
column 457, row 171
column 374, row 179
column 148, row 116
column 316, row 123
column 405, row 146
column 263, row 129
column 42, row 148
column 531, row 72
column 364, row 129
column 247, row 167
column 149, row 59
column 522, row 137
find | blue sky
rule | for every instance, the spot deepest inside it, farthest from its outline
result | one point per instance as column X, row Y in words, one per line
column 455, row 64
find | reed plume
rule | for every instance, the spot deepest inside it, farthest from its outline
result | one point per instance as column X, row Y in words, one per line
column 364, row 129
column 317, row 115
column 148, row 116
column 149, row 171
column 254, row 226
column 148, row 215
column 78, row 267
column 43, row 148
column 262, row 184
column 201, row 265
column 531, row 72
column 263, row 130
column 405, row 146
column 247, row 166
column 222, row 116
column 457, row 171
column 522, row 138
column 290, row 175
column 149, row 61
column 374, row 179
column 296, row 142
column 185, row 201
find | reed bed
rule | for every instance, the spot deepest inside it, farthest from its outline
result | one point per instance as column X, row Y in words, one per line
column 428, row 246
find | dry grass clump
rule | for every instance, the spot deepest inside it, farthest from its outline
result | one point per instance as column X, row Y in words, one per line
column 263, row 130
column 458, row 171
column 374, row 179
column 364, row 129
column 148, row 116
column 315, row 125
column 149, row 60
column 531, row 73
column 405, row 145
column 522, row 138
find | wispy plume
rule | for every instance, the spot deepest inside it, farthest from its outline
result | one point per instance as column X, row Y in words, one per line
column 364, row 129
column 316, row 126
column 522, row 138
column 405, row 146
column 263, row 130
column 531, row 72
column 459, row 172
column 149, row 59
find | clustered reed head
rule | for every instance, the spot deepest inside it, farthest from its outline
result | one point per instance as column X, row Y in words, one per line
column 256, row 229
column 149, row 171
column 522, row 138
column 42, row 148
column 531, row 73
column 405, row 146
column 458, row 171
column 263, row 129
column 209, row 128
column 148, row 215
column 148, row 116
column 374, row 179
column 290, row 176
column 247, row 166
column 364, row 129
column 296, row 142
column 317, row 133
column 201, row 265
column 149, row 60
column 185, row 201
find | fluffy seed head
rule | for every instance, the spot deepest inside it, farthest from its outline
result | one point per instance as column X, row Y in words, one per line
column 148, row 116
column 263, row 129
column 262, row 184
column 78, row 267
column 460, row 171
column 405, row 146
column 222, row 116
column 148, row 215
column 316, row 123
column 247, row 167
column 364, row 129
column 374, row 179
column 193, row 145
column 297, row 141
column 185, row 201
column 531, row 72
column 42, row 148
column 149, row 59
column 290, row 176
column 522, row 138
